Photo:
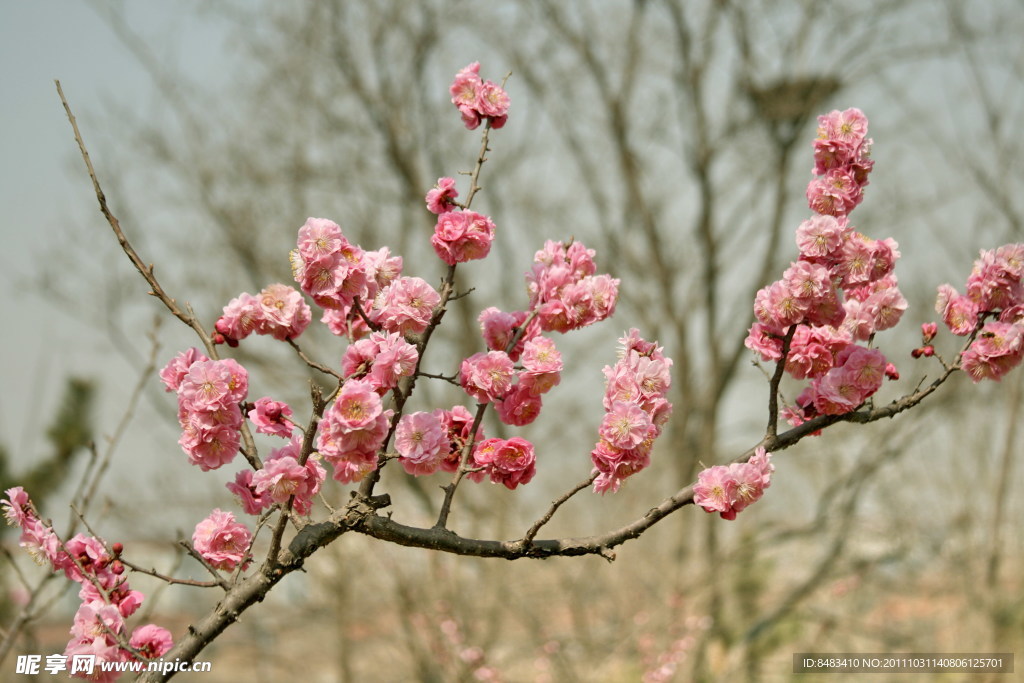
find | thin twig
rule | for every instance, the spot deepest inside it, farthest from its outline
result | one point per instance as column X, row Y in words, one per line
column 145, row 270
column 312, row 363
column 555, row 504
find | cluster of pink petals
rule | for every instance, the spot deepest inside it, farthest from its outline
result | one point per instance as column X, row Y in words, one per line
column 272, row 417
column 461, row 236
column 542, row 371
column 458, row 425
column 841, row 291
column 478, row 100
column 278, row 310
column 353, row 429
column 857, row 374
column 728, row 489
column 498, row 329
column 337, row 273
column 100, row 618
column 421, row 440
column 564, row 289
column 842, row 159
column 509, row 462
column 441, row 198
column 383, row 359
column 487, row 376
column 280, row 478
column 210, row 393
column 635, row 411
column 222, row 541
column 405, row 306
column 998, row 348
column 995, row 289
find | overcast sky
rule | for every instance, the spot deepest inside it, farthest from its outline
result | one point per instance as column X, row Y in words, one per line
column 43, row 182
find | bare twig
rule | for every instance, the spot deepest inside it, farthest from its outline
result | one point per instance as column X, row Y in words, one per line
column 555, row 504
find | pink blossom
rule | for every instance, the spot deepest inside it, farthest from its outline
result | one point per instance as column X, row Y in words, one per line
column 42, row 544
column 422, row 443
column 778, row 307
column 284, row 313
column 85, row 554
column 319, row 240
column 715, row 491
column 406, row 305
column 441, row 198
column 272, row 417
column 509, row 462
column 849, row 126
column 357, row 405
column 477, row 99
column 995, row 281
column 492, row 101
column 178, row 367
column 499, row 327
column 519, row 407
column 206, row 386
column 461, row 236
column 864, row 367
column 240, row 317
column 17, row 506
column 383, row 359
column 728, row 489
column 821, row 236
column 542, row 365
column 998, row 348
column 959, row 312
column 101, row 652
column 381, row 269
column 487, row 376
column 210, row 448
column 96, row 620
column 151, row 641
column 457, row 423
column 764, row 340
column 280, row 479
column 245, row 493
column 327, row 266
column 222, row 541
column 626, row 425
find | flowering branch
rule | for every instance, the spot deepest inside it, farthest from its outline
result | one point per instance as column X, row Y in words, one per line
column 817, row 323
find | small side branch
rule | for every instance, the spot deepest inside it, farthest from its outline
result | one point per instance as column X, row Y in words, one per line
column 145, row 270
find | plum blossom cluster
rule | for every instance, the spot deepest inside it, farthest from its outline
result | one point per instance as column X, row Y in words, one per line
column 509, row 462
column 278, row 310
column 345, row 281
column 99, row 626
column 210, row 396
column 353, row 429
column 436, row 440
column 635, row 411
column 459, row 236
column 478, row 100
column 283, row 478
column 840, row 292
column 992, row 309
column 222, row 541
column 492, row 377
column 728, row 489
column 427, row 442
column 564, row 289
column 842, row 157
